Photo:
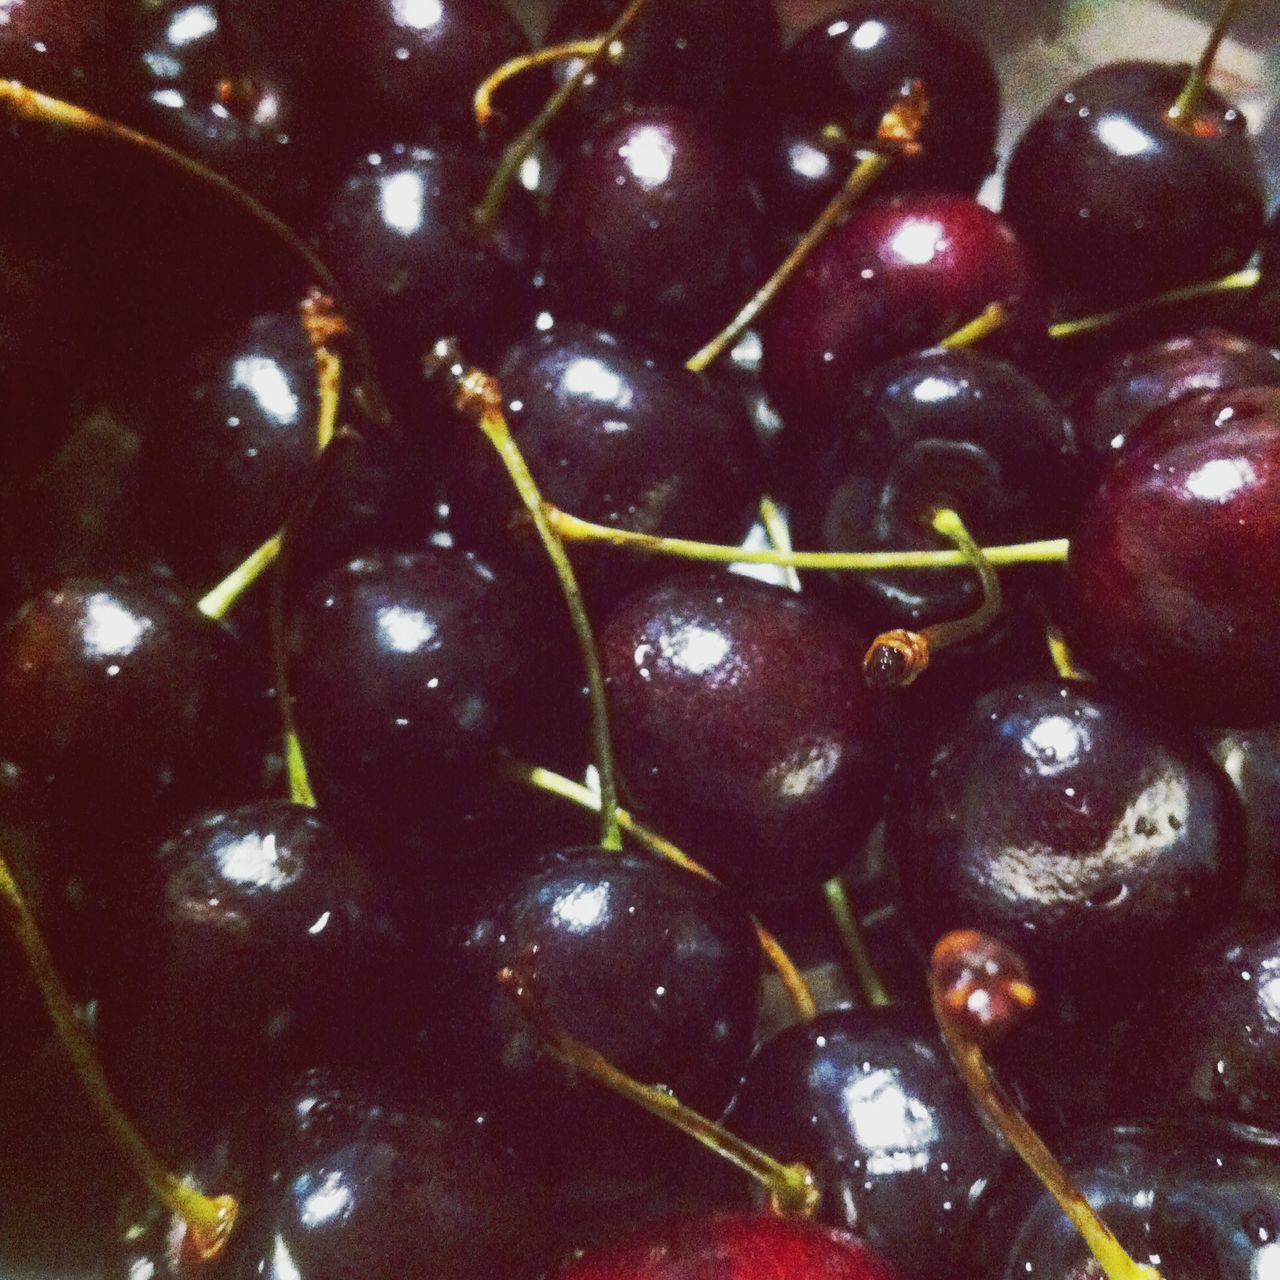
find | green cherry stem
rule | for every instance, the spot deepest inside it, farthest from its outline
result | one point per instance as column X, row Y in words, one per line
column 791, row 1188
column 980, row 990
column 898, row 131
column 992, row 317
column 898, row 658
column 870, row 984
column 479, row 398
column 544, row 780
column 572, row 529
column 489, row 209
column 482, row 104
column 1183, row 112
column 209, row 1220
column 779, row 536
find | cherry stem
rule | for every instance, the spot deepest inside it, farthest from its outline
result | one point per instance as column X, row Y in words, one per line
column 1060, row 654
column 898, row 132
column 899, row 658
column 870, row 984
column 574, row 529
column 779, row 536
column 1183, row 112
column 478, row 397
column 220, row 600
column 514, row 67
column 992, row 317
column 209, row 1220
column 1245, row 279
column 980, row 990
column 30, row 105
column 544, row 780
column 490, row 207
column 791, row 1188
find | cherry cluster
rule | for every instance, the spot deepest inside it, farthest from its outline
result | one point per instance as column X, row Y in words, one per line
column 450, row 829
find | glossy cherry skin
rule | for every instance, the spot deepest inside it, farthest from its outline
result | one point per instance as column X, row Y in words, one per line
column 615, row 434
column 132, row 705
column 833, row 85
column 896, row 276
column 651, row 232
column 648, row 964
column 940, row 428
column 1170, row 581
column 743, row 728
column 869, row 1100
column 734, row 1248
column 1109, row 406
column 55, row 46
column 1117, row 203
column 407, row 68
column 1263, row 311
column 241, row 948
column 693, row 54
column 1251, row 759
column 1192, row 1200
column 1091, row 838
column 414, row 264
column 183, row 72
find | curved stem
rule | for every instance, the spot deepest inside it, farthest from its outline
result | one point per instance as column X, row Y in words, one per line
column 1245, row 279
column 490, row 206
column 209, row 1220
column 791, row 1188
column 897, row 658
column 574, row 529
column 992, row 317
column 873, row 990
column 544, row 780
column 479, row 397
column 29, row 105
column 1183, row 112
column 482, row 104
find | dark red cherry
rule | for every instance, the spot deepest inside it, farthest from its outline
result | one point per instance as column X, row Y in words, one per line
column 832, row 87
column 1092, row 838
column 1263, row 311
column 896, row 276
column 694, row 54
column 648, row 964
column 1191, row 1200
column 415, row 264
column 868, row 1100
column 1170, row 584
column 240, row 950
column 737, row 1248
column 937, row 429
column 1110, row 405
column 1118, row 203
column 616, row 435
column 135, row 707
column 55, row 46
column 183, row 72
column 410, row 66
column 651, row 231
column 743, row 728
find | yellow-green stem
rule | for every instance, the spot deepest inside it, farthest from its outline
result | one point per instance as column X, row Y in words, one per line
column 984, row 324
column 209, row 1220
column 870, row 985
column 779, row 536
column 219, row 601
column 1183, row 112
column 482, row 104
column 490, row 207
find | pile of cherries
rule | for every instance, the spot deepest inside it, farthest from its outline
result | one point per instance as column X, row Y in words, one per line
column 321, row 400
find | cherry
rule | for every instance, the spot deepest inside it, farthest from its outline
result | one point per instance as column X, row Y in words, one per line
column 55, row 46
column 830, row 90
column 1117, row 202
column 868, row 1100
column 1251, row 759
column 614, row 434
column 239, row 953
column 1114, row 401
column 771, row 772
column 896, row 276
column 1263, row 312
column 414, row 262
column 938, row 429
column 734, row 1248
column 1057, row 818
column 1168, row 586
column 650, row 231
column 644, row 962
column 1192, row 1199
column 133, row 706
